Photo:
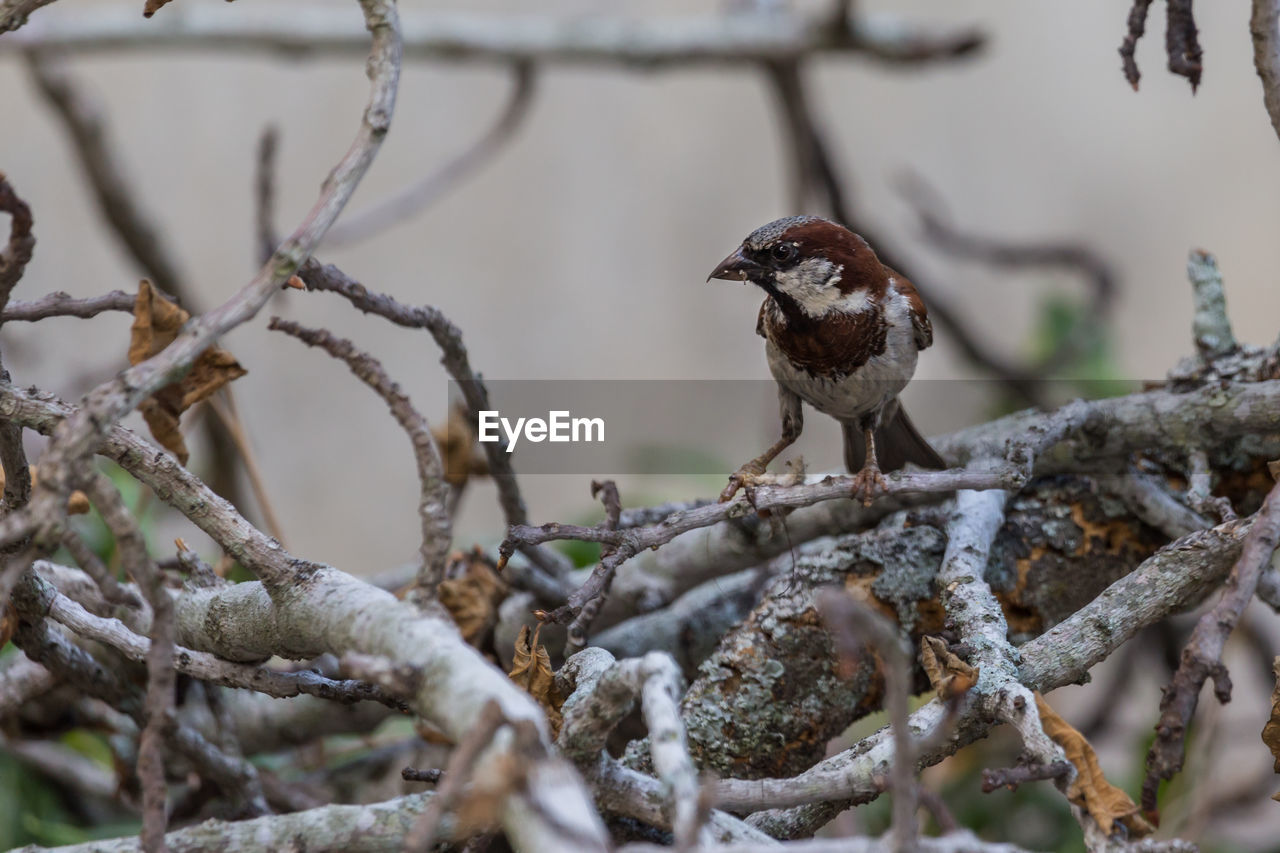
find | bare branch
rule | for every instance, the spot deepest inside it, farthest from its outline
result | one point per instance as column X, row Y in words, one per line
column 853, row 625
column 1136, row 28
column 1012, row 777
column 433, row 492
column 14, row 258
column 1092, row 268
column 1264, row 27
column 80, row 669
column 265, row 192
column 202, row 665
column 628, row 543
column 14, row 13
column 416, row 197
column 62, row 304
column 457, row 364
column 104, row 172
column 644, row 43
column 161, row 675
column 1202, row 656
column 109, row 402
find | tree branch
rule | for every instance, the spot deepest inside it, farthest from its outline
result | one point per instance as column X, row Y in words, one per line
column 1264, row 27
column 648, row 43
column 1202, row 656
column 433, row 490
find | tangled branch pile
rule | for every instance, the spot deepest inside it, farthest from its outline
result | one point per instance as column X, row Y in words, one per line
column 1055, row 538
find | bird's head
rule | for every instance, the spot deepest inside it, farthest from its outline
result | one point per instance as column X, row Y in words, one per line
column 810, row 266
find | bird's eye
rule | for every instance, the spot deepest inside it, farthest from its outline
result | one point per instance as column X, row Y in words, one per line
column 784, row 252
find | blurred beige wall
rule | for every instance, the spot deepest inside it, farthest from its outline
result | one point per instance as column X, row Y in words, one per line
column 581, row 252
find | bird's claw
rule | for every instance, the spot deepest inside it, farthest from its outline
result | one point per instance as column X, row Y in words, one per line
column 869, row 484
column 745, row 477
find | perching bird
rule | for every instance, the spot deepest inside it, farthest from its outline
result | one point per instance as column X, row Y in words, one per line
column 842, row 332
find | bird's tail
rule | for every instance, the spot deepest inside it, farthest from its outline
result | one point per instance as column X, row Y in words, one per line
column 897, row 443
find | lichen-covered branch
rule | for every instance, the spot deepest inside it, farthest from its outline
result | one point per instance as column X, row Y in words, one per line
column 1173, row 579
column 453, row 355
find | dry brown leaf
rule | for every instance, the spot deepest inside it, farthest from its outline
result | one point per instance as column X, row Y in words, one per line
column 8, row 624
column 153, row 6
column 458, row 449
column 531, row 669
column 1090, row 790
column 1274, row 467
column 77, row 502
column 156, row 323
column 472, row 596
column 948, row 674
column 1271, row 731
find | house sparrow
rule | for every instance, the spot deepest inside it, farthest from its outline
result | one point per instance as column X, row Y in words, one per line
column 842, row 332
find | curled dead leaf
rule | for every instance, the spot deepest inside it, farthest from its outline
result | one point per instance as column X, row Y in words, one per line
column 531, row 669
column 1090, row 790
column 77, row 501
column 458, row 449
column 1271, row 731
column 950, row 676
column 471, row 592
column 156, row 324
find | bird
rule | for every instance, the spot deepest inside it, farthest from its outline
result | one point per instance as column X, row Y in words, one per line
column 842, row 333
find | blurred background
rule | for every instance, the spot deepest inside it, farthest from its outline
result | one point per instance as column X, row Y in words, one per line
column 579, row 251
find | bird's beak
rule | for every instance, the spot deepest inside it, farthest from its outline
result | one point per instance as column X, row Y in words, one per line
column 736, row 267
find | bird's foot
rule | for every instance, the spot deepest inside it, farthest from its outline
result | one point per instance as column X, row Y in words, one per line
column 746, row 477
column 869, row 484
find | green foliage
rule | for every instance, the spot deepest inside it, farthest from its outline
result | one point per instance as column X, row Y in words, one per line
column 34, row 811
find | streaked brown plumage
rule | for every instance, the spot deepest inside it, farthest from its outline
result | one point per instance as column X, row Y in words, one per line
column 842, row 332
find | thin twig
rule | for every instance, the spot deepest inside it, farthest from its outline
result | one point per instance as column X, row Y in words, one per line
column 456, row 774
column 223, row 405
column 415, row 774
column 433, row 490
column 578, row 628
column 109, row 402
column 265, row 192
column 1202, row 656
column 62, row 304
column 854, row 625
column 628, row 543
column 1135, row 28
column 1012, row 777
column 1103, row 287
column 458, row 365
column 14, row 257
column 161, row 675
column 416, row 197
column 644, row 43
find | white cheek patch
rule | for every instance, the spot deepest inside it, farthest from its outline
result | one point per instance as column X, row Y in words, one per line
column 817, row 300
